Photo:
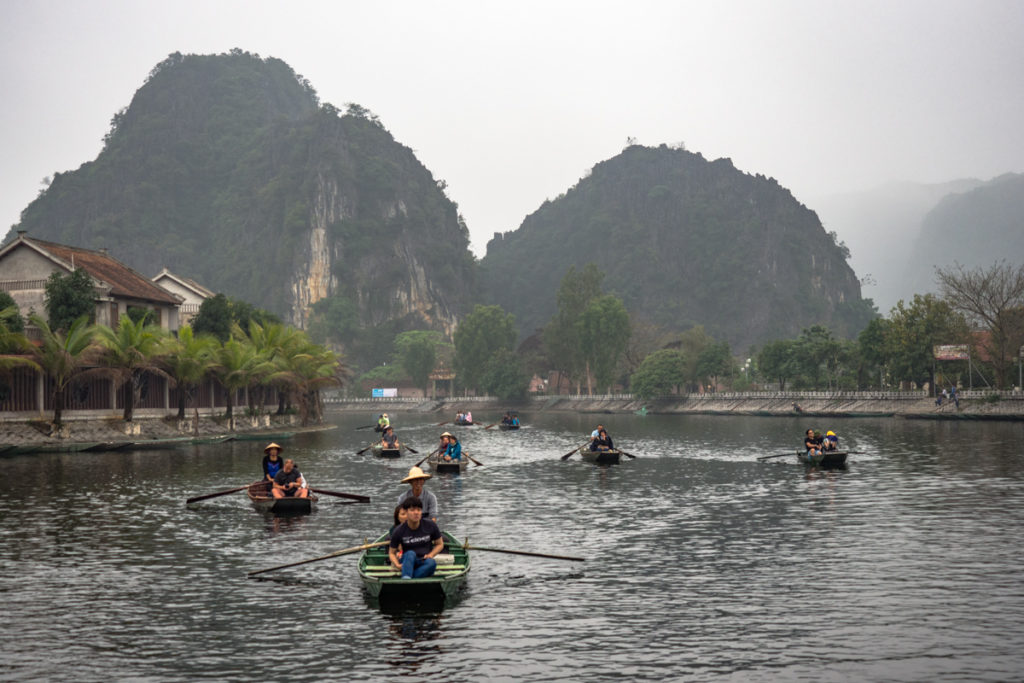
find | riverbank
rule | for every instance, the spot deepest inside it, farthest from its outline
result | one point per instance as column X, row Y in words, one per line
column 105, row 434
column 974, row 405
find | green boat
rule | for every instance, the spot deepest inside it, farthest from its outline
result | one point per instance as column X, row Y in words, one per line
column 825, row 459
column 263, row 436
column 385, row 583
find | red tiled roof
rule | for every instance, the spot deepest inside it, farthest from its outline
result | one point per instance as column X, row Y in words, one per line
column 124, row 281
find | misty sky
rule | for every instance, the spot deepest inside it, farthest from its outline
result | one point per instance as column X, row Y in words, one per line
column 512, row 102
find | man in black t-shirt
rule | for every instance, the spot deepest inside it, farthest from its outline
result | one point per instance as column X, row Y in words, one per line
column 288, row 482
column 419, row 540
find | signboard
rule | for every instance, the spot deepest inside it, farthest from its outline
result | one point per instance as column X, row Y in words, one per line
column 951, row 352
column 385, row 393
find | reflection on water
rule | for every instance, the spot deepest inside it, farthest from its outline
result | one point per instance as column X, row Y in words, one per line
column 702, row 563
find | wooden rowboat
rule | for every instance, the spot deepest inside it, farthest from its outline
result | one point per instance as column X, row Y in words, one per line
column 508, row 428
column 441, row 466
column 826, row 460
column 462, row 423
column 382, row 452
column 385, row 583
column 264, row 501
column 600, row 457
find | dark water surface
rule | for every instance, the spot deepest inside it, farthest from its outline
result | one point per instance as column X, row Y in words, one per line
column 702, row 563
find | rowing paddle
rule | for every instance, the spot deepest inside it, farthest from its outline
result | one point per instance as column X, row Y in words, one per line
column 441, row 424
column 425, row 459
column 628, row 455
column 780, row 455
column 522, row 552
column 214, row 495
column 367, row 448
column 410, row 449
column 338, row 553
column 472, row 459
column 566, row 456
column 350, row 496
column 365, row 427
column 490, row 425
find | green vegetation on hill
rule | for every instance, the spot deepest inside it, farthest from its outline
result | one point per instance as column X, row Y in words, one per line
column 682, row 241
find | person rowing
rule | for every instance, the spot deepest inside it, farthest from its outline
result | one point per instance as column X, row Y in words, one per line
column 418, row 540
column 389, row 440
column 812, row 443
column 289, row 482
column 272, row 461
column 453, row 450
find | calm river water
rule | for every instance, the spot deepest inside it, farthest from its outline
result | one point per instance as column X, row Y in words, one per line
column 701, row 562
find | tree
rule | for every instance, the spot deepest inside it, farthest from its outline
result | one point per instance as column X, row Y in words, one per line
column 417, row 354
column 186, row 361
column 218, row 314
column 912, row 332
column 603, row 330
column 10, row 315
column 661, row 372
column 234, row 364
column 989, row 297
column 303, row 369
column 775, row 361
column 715, row 361
column 62, row 356
column 129, row 351
column 478, row 337
column 561, row 335
column 504, row 376
column 816, row 351
column 69, row 297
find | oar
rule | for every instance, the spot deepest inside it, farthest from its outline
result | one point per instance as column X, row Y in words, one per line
column 350, row 496
column 442, row 424
column 367, row 448
column 566, row 456
column 472, row 459
column 780, row 455
column 628, row 455
column 410, row 449
column 214, row 495
column 365, row 427
column 425, row 458
column 346, row 551
column 490, row 425
column 467, row 546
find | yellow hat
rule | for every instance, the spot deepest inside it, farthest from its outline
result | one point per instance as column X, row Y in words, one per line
column 415, row 473
column 830, row 434
column 272, row 445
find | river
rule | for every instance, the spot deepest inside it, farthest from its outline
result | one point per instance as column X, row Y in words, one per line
column 702, row 563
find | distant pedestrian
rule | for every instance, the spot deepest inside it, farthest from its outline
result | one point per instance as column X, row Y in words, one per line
column 953, row 394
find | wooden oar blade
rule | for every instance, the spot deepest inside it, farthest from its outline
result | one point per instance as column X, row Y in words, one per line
column 777, row 455
column 196, row 499
column 628, row 455
column 340, row 494
column 525, row 552
column 425, row 458
column 410, row 449
column 569, row 454
column 339, row 553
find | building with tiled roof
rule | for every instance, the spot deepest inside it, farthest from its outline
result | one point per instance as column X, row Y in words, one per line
column 26, row 264
column 192, row 293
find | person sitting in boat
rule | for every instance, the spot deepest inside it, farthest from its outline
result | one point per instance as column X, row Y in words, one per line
column 811, row 443
column 288, row 483
column 453, row 451
column 507, row 419
column 603, row 442
column 383, row 422
column 460, row 417
column 389, row 440
column 400, row 516
column 831, row 442
column 515, row 419
column 272, row 461
column 419, row 540
column 415, row 480
column 596, row 433
column 469, row 417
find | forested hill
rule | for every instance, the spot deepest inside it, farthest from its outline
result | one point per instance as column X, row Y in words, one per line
column 228, row 170
column 683, row 241
column 974, row 228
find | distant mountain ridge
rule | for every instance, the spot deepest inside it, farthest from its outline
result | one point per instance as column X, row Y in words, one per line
column 683, row 241
column 227, row 169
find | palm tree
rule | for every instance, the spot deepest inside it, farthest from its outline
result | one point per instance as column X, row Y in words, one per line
column 302, row 369
column 14, row 346
column 63, row 356
column 234, row 364
column 128, row 351
column 186, row 360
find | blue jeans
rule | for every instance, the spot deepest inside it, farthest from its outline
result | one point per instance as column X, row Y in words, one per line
column 417, row 567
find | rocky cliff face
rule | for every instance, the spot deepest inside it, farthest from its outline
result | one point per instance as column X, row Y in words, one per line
column 227, row 169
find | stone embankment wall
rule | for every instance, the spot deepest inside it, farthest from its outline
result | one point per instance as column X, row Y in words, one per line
column 973, row 404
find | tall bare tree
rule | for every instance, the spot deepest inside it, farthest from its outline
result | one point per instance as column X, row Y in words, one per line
column 991, row 298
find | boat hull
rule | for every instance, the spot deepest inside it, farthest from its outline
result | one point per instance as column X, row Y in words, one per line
column 384, row 583
column 600, row 457
column 264, row 501
column 508, row 428
column 827, row 460
column 440, row 466
column 382, row 452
